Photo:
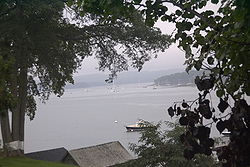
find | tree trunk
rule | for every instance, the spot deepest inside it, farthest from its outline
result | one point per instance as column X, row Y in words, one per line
column 23, row 80
column 5, row 127
column 18, row 117
column 13, row 138
column 8, row 142
column 21, row 89
column 15, row 112
column 16, row 143
column 23, row 104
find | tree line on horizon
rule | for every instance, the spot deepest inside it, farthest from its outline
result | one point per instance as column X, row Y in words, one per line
column 182, row 78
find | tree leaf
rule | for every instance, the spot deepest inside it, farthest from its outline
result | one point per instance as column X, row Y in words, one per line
column 222, row 105
column 220, row 126
column 183, row 121
column 220, row 92
column 171, row 111
column 214, row 1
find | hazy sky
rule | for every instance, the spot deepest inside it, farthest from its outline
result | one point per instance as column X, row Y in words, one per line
column 172, row 58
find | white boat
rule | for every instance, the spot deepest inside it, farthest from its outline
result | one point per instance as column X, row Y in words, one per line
column 140, row 125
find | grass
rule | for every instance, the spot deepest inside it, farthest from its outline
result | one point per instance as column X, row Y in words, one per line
column 26, row 162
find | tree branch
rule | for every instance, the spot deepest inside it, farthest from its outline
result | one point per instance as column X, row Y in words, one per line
column 238, row 42
column 205, row 19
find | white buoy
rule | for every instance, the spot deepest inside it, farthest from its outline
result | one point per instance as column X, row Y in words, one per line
column 116, row 121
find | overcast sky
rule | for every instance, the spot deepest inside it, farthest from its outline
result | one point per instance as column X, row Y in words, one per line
column 172, row 58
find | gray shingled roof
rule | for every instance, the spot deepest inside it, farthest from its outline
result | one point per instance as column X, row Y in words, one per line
column 103, row 155
column 54, row 155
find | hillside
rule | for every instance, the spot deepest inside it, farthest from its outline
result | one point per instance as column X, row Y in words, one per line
column 183, row 78
column 84, row 81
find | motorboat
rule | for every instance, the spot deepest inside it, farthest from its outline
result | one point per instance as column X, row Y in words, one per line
column 140, row 125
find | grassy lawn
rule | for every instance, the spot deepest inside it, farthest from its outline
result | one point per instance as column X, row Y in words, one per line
column 26, row 162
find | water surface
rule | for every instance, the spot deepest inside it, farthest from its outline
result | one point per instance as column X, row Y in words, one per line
column 85, row 117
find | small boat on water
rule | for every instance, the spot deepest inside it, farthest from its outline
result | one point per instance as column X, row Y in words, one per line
column 140, row 125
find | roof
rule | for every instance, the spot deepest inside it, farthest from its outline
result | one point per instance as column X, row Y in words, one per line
column 222, row 141
column 103, row 155
column 53, row 155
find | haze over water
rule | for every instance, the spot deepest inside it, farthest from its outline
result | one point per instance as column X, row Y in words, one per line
column 86, row 117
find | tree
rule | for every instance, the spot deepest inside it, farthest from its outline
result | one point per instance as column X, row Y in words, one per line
column 162, row 147
column 216, row 41
column 40, row 49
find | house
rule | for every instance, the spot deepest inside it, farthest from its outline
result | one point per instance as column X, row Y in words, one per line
column 53, row 155
column 103, row 155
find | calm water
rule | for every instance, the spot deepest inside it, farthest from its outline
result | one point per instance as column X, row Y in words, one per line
column 85, row 117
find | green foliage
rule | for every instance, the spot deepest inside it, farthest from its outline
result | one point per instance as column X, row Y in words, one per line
column 160, row 147
column 6, row 99
column 29, row 33
column 108, row 9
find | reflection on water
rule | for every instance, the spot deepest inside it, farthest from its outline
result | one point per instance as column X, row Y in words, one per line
column 84, row 117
